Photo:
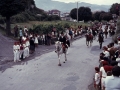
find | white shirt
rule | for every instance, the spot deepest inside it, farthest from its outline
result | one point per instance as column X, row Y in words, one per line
column 97, row 78
column 104, row 74
column 67, row 31
column 112, row 83
column 43, row 36
column 27, row 43
column 107, row 54
column 118, row 60
column 36, row 40
column 15, row 48
column 25, row 29
column 23, row 38
column 24, row 45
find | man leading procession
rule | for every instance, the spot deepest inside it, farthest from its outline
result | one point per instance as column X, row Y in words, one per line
column 63, row 40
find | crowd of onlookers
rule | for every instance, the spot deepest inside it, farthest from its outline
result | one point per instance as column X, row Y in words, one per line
column 107, row 74
column 27, row 41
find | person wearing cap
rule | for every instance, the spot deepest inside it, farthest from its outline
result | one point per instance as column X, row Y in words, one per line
column 113, row 82
column 27, row 44
column 24, row 50
column 18, row 51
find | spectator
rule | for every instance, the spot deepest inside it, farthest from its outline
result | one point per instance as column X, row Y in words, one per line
column 97, row 78
column 36, row 41
column 20, row 32
column 16, row 31
column 103, row 72
column 118, row 60
column 48, row 39
column 32, row 45
column 113, row 82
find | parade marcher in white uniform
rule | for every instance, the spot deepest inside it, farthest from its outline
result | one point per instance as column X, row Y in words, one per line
column 23, row 38
column 15, row 51
column 18, row 51
column 24, row 54
column 27, row 51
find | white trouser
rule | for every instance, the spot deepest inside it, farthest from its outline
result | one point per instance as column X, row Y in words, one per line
column 27, row 51
column 21, row 52
column 102, row 82
column 15, row 56
column 18, row 55
column 24, row 53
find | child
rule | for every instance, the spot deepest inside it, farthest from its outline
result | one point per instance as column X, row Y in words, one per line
column 97, row 78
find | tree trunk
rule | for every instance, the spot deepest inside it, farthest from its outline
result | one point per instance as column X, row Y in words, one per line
column 8, row 27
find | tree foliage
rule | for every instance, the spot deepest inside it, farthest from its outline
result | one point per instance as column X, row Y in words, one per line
column 84, row 13
column 73, row 13
column 106, row 16
column 53, row 17
column 115, row 9
column 96, row 15
column 9, row 8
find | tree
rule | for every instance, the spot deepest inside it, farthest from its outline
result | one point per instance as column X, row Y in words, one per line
column 115, row 8
column 73, row 13
column 96, row 15
column 84, row 13
column 8, row 8
column 106, row 16
column 53, row 17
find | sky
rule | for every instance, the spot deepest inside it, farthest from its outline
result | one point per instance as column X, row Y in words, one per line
column 98, row 2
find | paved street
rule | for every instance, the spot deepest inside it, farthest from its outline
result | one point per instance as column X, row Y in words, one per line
column 43, row 73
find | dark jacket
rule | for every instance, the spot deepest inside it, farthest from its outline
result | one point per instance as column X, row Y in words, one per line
column 62, row 39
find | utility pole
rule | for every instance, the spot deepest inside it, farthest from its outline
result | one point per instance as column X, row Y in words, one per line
column 77, row 13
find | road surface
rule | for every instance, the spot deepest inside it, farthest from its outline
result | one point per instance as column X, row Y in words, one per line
column 43, row 73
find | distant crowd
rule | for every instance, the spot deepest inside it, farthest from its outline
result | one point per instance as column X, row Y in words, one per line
column 27, row 42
